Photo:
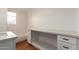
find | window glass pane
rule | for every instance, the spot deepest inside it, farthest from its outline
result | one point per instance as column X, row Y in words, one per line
column 11, row 19
column 11, row 14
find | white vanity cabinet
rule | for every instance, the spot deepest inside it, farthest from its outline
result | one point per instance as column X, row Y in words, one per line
column 54, row 39
column 8, row 44
column 7, row 41
column 67, row 43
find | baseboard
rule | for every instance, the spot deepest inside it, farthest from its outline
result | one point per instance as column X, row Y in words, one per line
column 21, row 38
column 21, row 41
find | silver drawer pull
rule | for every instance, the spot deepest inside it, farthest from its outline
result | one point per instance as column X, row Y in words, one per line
column 65, row 47
column 65, row 39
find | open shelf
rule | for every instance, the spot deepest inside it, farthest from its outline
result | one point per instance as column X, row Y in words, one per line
column 44, row 41
column 43, row 45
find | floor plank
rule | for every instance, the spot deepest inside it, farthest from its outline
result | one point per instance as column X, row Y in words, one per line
column 24, row 45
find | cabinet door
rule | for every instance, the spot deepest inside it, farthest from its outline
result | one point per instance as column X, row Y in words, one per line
column 8, row 44
column 3, row 19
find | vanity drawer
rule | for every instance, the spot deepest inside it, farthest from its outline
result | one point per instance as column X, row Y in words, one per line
column 66, row 46
column 67, row 39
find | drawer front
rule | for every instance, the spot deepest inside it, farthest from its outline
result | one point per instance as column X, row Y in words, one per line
column 67, row 39
column 66, row 46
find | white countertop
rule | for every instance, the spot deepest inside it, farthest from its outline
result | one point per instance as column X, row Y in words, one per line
column 58, row 32
column 7, row 35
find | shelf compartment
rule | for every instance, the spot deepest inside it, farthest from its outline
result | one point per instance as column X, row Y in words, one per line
column 44, row 41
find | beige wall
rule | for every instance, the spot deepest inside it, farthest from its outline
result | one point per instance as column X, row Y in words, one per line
column 3, row 19
column 54, row 18
column 78, row 20
column 21, row 24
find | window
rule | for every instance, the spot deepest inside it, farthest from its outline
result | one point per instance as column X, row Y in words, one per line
column 11, row 18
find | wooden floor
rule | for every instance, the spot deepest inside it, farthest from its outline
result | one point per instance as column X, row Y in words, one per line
column 24, row 45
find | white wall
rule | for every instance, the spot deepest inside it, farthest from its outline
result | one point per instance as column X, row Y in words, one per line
column 78, row 20
column 21, row 26
column 29, row 25
column 3, row 19
column 65, row 19
column 55, row 18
